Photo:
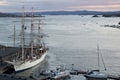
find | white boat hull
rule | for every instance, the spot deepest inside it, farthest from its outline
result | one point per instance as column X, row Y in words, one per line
column 96, row 75
column 29, row 64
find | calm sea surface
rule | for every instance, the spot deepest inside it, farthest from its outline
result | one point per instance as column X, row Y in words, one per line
column 73, row 40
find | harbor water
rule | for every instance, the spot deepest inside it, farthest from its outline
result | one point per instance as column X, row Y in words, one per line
column 73, row 39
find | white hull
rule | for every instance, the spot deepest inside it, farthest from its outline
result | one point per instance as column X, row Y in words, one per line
column 96, row 75
column 29, row 64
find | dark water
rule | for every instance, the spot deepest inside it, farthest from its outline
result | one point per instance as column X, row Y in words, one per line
column 73, row 40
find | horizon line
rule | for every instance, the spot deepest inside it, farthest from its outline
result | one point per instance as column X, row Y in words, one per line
column 63, row 10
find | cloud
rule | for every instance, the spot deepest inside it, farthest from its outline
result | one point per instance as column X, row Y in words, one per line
column 2, row 2
column 103, row 7
column 51, row 5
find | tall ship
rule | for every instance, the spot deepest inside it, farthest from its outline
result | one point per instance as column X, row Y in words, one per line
column 32, row 49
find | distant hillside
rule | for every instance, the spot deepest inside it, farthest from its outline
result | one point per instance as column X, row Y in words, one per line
column 79, row 13
column 7, row 15
column 115, row 13
column 28, row 14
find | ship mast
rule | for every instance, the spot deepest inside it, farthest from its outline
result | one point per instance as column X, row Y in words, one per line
column 98, row 57
column 32, row 28
column 39, row 36
column 23, row 32
column 14, row 35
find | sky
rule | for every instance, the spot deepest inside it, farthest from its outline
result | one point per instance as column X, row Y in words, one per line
column 58, row 5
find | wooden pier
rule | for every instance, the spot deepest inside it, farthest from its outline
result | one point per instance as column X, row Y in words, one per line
column 114, row 77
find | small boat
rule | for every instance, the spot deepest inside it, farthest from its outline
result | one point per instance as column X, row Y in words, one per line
column 62, row 75
column 57, row 74
column 96, row 74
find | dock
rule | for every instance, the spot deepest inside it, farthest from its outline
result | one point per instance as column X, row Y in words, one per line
column 114, row 77
column 61, row 77
column 13, row 77
column 109, row 76
column 77, row 72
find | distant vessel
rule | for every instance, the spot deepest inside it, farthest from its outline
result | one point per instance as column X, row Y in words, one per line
column 31, row 53
column 96, row 74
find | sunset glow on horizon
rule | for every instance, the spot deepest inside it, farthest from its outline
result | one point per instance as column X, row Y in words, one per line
column 2, row 3
column 112, row 7
column 66, row 5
